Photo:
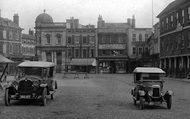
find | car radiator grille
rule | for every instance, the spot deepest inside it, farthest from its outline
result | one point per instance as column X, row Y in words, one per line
column 25, row 87
column 156, row 92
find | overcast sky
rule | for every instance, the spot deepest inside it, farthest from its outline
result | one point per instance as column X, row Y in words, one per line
column 87, row 11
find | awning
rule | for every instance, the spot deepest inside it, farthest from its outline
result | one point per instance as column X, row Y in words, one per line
column 5, row 60
column 83, row 62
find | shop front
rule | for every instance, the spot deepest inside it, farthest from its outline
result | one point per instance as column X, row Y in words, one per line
column 112, row 65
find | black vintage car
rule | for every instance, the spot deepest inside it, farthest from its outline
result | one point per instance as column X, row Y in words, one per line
column 149, row 87
column 34, row 81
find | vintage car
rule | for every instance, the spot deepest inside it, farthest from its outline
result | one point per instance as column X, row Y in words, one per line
column 149, row 87
column 34, row 81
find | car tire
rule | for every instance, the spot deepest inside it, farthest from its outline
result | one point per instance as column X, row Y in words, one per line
column 7, row 97
column 44, row 97
column 169, row 102
column 141, row 105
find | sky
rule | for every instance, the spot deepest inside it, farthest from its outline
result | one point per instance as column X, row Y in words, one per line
column 87, row 11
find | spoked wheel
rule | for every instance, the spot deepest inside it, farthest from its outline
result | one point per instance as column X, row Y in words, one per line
column 169, row 102
column 142, row 101
column 44, row 97
column 7, row 97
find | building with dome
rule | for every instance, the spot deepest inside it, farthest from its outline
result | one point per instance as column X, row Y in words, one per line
column 51, row 40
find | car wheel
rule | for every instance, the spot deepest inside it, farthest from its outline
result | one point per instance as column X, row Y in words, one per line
column 142, row 101
column 44, row 97
column 7, row 97
column 169, row 102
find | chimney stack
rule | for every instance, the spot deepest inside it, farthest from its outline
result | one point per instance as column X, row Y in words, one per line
column 16, row 19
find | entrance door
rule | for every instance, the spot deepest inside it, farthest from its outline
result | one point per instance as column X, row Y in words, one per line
column 112, row 67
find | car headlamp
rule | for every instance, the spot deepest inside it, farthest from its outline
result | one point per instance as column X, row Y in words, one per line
column 150, row 93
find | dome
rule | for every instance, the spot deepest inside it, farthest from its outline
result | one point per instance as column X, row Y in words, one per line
column 44, row 18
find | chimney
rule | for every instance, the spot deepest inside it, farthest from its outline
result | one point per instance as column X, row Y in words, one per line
column 133, row 21
column 16, row 19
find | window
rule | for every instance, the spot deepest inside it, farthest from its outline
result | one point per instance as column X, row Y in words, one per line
column 69, row 40
column 69, row 53
column 10, row 48
column 172, row 19
column 177, row 17
column 48, row 38
column 59, row 38
column 183, row 13
column 84, row 53
column 188, row 13
column 188, row 38
column 4, row 34
column 10, row 35
column 92, row 39
column 134, row 37
column 76, row 53
column 134, row 50
column 84, row 40
column 140, row 51
column 140, row 37
column 166, row 23
column 91, row 52
column 146, row 36
column 77, row 39
column 40, row 40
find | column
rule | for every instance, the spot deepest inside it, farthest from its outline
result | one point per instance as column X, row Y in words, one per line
column 55, row 57
column 175, row 65
column 169, row 66
column 63, row 61
column 187, row 66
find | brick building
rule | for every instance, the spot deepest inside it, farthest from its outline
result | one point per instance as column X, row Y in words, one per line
column 175, row 38
column 10, row 40
column 112, row 45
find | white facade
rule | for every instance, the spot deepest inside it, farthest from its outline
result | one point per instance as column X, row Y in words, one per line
column 136, row 41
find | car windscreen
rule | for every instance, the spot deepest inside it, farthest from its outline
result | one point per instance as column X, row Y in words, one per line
column 151, row 76
column 32, row 71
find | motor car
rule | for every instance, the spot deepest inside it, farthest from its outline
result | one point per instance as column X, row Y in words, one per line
column 149, row 87
column 33, row 81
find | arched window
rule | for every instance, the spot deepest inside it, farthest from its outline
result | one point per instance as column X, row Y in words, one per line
column 58, row 38
column 48, row 38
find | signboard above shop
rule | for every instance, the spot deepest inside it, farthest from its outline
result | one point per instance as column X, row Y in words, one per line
column 112, row 46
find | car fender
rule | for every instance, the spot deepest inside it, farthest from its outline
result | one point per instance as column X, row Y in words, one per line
column 169, row 92
column 43, row 85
